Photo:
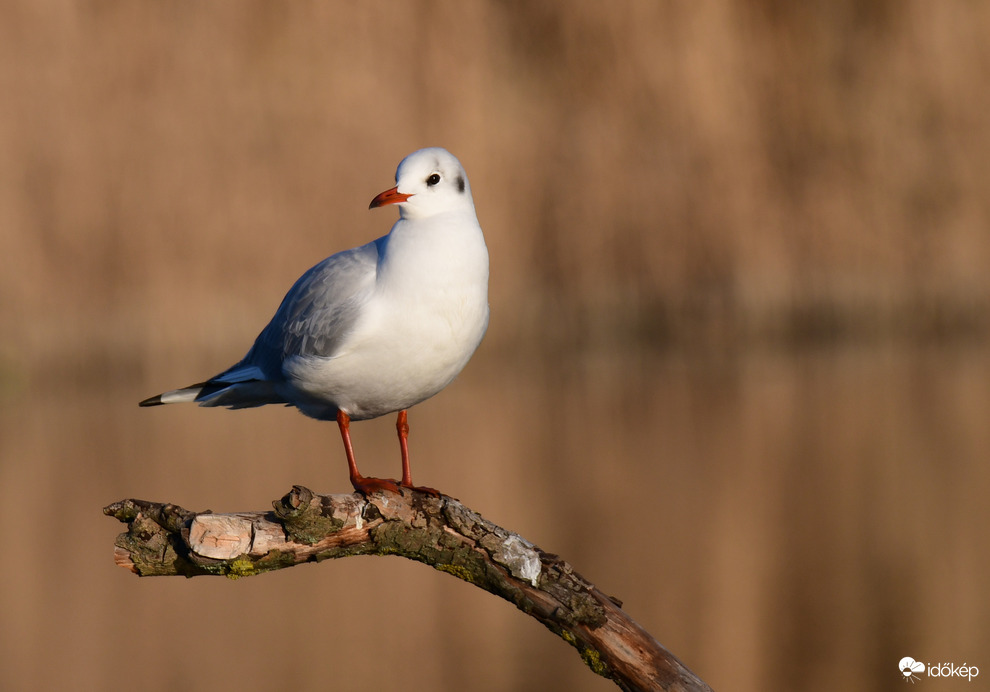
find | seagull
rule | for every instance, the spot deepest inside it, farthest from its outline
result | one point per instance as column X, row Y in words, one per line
column 376, row 329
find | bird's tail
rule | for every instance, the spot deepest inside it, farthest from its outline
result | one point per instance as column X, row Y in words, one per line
column 241, row 393
column 177, row 396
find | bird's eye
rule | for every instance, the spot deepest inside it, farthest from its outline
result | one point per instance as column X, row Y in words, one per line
column 433, row 179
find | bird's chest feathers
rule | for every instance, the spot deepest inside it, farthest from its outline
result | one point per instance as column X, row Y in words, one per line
column 435, row 292
column 432, row 316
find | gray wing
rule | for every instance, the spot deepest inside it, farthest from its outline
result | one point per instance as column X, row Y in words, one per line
column 315, row 317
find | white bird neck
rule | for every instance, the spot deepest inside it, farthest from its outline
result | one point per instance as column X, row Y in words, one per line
column 444, row 248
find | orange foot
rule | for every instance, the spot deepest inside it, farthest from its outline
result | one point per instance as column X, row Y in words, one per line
column 423, row 489
column 367, row 486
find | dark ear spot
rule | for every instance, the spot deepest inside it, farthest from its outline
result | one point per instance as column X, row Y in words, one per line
column 460, row 183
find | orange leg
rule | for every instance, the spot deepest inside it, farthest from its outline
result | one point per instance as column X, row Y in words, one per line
column 363, row 485
column 402, row 427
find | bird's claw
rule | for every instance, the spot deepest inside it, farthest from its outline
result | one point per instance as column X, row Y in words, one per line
column 424, row 489
column 368, row 486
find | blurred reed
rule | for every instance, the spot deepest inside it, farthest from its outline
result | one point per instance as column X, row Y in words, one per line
column 680, row 175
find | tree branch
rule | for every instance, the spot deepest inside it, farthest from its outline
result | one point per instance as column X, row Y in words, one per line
column 164, row 539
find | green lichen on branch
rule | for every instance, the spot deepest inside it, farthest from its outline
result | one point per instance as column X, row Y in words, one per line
column 241, row 567
column 560, row 580
column 153, row 540
column 591, row 656
column 307, row 518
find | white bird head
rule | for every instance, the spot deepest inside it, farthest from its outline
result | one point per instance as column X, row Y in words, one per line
column 428, row 182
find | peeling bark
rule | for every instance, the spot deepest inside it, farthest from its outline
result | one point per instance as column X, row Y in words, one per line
column 164, row 539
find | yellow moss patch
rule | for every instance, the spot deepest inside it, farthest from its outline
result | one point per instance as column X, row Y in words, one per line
column 590, row 656
column 594, row 661
column 241, row 567
column 458, row 571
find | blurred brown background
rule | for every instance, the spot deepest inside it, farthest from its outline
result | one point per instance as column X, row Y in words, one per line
column 737, row 370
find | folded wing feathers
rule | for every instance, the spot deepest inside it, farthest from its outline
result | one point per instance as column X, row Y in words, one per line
column 315, row 316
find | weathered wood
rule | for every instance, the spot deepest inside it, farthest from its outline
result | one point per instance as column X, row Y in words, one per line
column 164, row 539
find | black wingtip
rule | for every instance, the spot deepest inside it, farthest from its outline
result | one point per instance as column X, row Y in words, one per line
column 152, row 401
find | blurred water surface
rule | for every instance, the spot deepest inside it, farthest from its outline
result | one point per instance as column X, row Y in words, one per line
column 759, row 512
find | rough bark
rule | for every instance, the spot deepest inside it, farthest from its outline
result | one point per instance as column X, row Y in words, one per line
column 164, row 539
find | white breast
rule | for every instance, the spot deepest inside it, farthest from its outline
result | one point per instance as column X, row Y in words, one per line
column 417, row 331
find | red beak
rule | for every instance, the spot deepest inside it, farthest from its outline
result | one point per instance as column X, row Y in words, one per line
column 392, row 196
